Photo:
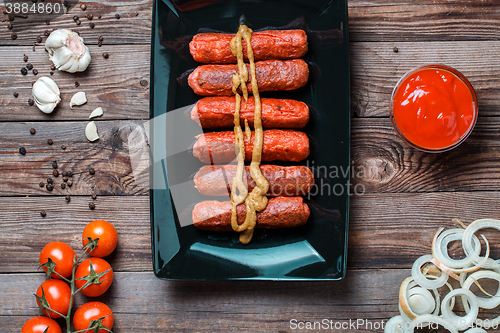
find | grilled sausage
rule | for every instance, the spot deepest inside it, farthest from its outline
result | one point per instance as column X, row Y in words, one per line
column 272, row 75
column 271, row 44
column 218, row 112
column 216, row 180
column 281, row 212
column 279, row 145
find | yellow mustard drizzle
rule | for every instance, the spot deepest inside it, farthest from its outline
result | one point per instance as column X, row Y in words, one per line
column 256, row 201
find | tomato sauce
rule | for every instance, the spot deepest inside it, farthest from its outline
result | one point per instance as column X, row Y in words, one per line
column 434, row 109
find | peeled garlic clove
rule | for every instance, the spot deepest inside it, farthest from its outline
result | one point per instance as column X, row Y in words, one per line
column 91, row 132
column 96, row 113
column 67, row 51
column 46, row 94
column 78, row 99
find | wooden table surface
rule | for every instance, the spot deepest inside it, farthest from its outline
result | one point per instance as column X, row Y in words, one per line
column 409, row 194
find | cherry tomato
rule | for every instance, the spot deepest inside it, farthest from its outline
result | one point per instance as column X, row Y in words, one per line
column 58, row 294
column 62, row 254
column 92, row 311
column 108, row 237
column 99, row 265
column 40, row 324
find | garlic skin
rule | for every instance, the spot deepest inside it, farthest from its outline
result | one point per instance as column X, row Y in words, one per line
column 91, row 132
column 78, row 99
column 67, row 51
column 96, row 113
column 46, row 94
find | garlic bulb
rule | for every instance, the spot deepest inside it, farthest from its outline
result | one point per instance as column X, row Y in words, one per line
column 46, row 94
column 78, row 99
column 67, row 51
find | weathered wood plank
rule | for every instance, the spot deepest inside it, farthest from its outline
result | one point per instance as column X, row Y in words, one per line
column 382, row 162
column 376, row 68
column 386, row 230
column 397, row 20
column 369, row 296
column 110, row 157
column 113, row 84
column 134, row 25
column 376, row 20
column 25, row 232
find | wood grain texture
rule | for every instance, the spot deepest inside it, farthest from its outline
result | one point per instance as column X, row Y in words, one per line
column 428, row 20
column 376, row 68
column 112, row 157
column 25, row 232
column 133, row 27
column 113, row 84
column 382, row 162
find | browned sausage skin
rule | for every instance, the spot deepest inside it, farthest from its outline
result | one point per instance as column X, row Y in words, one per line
column 216, row 180
column 272, row 75
column 281, row 212
column 218, row 112
column 279, row 145
column 270, row 44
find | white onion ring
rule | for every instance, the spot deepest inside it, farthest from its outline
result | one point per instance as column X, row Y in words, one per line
column 406, row 309
column 476, row 330
column 429, row 319
column 396, row 324
column 462, row 323
column 483, row 302
column 467, row 240
column 420, row 278
column 440, row 248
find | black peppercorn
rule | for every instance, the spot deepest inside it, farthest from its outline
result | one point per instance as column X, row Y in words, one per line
column 92, row 25
column 22, row 151
column 53, row 67
column 99, row 16
column 32, row 131
column 94, row 196
column 51, row 73
column 99, row 43
column 50, row 187
column 90, row 16
column 13, row 36
column 92, row 205
column 78, row 22
column 83, row 6
column 16, row 95
column 75, row 18
column 9, row 26
column 92, row 171
column 65, row 178
column 41, row 184
column 39, row 39
column 47, row 22
column 35, row 72
column 144, row 83
column 43, row 213
column 63, row 186
column 50, row 181
column 54, row 165
column 46, row 33
column 67, row 198
column 105, row 55
column 395, row 49
column 63, row 147
column 29, row 66
column 24, row 71
column 25, row 58
column 50, row 142
column 70, row 183
column 66, row 3
column 55, row 173
column 117, row 16
column 100, row 38
column 69, row 174
column 31, row 102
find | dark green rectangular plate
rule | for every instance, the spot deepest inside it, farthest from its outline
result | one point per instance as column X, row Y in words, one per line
column 316, row 251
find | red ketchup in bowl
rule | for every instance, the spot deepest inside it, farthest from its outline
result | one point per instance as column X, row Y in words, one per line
column 434, row 108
